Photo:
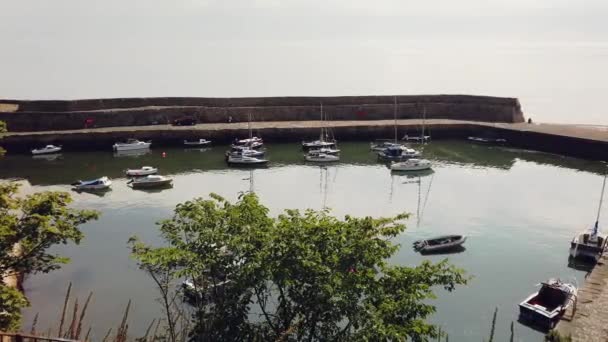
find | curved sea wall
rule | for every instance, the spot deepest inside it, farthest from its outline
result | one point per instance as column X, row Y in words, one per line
column 22, row 116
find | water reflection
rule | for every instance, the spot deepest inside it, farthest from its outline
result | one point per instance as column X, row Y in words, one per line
column 520, row 219
column 98, row 193
column 132, row 153
column 581, row 264
column 48, row 157
column 64, row 168
column 454, row 250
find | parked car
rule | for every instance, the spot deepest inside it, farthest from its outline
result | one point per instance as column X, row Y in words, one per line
column 185, row 121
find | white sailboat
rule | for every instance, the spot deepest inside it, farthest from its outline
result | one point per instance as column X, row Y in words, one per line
column 396, row 151
column 245, row 161
column 314, row 156
column 412, row 164
column 251, row 142
column 324, row 141
column 591, row 244
column 422, row 138
column 382, row 145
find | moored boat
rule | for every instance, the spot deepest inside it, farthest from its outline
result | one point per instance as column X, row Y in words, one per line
column 150, row 181
column 48, row 149
column 326, row 139
column 326, row 150
column 130, row 145
column 381, row 145
column 413, row 164
column 545, row 307
column 439, row 244
column 199, row 142
column 102, row 183
column 591, row 244
column 318, row 144
column 319, row 157
column 396, row 153
column 242, row 160
column 237, row 151
column 143, row 171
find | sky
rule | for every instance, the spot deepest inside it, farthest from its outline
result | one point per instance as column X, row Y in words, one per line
column 552, row 54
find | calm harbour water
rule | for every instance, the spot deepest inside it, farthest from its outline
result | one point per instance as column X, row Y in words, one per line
column 519, row 210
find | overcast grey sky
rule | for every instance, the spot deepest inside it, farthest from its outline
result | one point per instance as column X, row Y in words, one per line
column 550, row 53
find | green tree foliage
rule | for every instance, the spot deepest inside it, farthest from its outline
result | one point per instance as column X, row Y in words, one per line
column 11, row 303
column 301, row 276
column 29, row 227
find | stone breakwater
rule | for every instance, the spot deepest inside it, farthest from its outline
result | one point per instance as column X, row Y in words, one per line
column 588, row 320
column 24, row 116
column 578, row 141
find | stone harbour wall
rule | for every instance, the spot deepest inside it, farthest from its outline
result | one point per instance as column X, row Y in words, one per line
column 75, row 114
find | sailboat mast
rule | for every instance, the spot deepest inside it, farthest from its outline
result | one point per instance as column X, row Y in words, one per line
column 423, row 122
column 599, row 209
column 249, row 126
column 322, row 137
column 395, row 116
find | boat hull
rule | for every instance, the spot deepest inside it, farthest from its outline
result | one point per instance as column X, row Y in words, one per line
column 149, row 185
column 38, row 152
column 131, row 147
column 414, row 167
column 544, row 308
column 196, row 143
column 436, row 245
column 96, row 185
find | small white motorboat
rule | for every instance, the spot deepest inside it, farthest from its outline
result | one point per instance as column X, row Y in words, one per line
column 150, row 181
column 102, row 183
column 131, row 144
column 439, row 244
column 48, row 149
column 590, row 244
column 143, row 171
column 241, row 160
column 199, row 142
column 545, row 307
column 326, row 150
column 413, row 164
column 321, row 157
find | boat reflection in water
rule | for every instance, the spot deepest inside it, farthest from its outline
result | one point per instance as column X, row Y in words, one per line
column 132, row 153
column 48, row 157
